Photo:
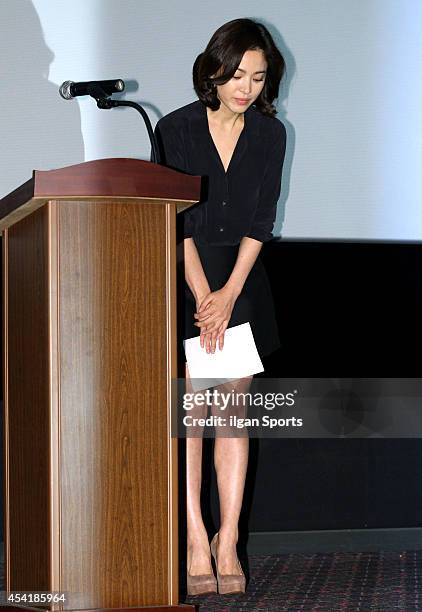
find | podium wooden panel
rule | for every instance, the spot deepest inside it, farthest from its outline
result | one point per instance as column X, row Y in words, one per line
column 91, row 475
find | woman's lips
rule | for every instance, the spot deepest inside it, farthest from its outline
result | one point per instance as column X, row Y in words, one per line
column 241, row 101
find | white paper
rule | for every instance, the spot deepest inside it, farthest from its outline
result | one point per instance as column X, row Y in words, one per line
column 239, row 358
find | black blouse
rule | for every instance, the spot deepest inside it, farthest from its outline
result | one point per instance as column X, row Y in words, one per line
column 237, row 203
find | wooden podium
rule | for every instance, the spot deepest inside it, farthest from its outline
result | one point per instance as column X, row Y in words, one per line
column 89, row 322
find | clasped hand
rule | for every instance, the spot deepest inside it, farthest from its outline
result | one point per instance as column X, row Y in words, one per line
column 213, row 315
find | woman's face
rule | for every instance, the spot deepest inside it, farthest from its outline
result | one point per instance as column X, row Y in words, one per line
column 246, row 84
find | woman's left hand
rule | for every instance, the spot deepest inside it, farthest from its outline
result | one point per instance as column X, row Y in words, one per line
column 214, row 314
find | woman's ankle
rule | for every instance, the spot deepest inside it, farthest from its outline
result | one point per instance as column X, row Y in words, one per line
column 197, row 538
column 228, row 534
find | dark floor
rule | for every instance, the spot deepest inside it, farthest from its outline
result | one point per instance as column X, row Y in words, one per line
column 328, row 582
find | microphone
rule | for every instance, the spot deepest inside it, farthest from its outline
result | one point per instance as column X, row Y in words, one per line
column 100, row 90
column 69, row 89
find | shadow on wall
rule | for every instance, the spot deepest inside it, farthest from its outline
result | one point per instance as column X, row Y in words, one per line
column 39, row 130
column 290, row 131
column 281, row 105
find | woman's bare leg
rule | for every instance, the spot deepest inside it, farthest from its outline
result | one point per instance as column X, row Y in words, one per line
column 199, row 558
column 231, row 452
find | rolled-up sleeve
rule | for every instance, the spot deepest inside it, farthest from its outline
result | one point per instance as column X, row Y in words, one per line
column 264, row 217
column 170, row 146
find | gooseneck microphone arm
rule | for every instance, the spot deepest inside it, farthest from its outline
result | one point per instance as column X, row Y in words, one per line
column 109, row 103
column 100, row 91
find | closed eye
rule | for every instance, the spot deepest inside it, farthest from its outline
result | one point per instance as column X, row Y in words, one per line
column 256, row 80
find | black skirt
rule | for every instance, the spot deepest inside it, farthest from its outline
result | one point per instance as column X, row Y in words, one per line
column 254, row 304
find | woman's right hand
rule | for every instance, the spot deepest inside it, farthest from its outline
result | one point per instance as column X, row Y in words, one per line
column 210, row 334
column 209, row 339
column 205, row 337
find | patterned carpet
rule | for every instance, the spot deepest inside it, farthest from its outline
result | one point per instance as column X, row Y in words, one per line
column 329, row 582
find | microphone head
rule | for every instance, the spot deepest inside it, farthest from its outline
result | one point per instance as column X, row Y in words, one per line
column 64, row 90
column 120, row 85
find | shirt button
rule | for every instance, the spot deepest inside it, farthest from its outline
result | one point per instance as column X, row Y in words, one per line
column 221, row 229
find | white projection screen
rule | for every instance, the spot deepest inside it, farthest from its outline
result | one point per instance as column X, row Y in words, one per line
column 351, row 100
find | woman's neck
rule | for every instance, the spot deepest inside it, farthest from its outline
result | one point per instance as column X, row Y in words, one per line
column 225, row 119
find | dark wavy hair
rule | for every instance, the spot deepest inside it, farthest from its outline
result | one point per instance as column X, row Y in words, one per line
column 224, row 53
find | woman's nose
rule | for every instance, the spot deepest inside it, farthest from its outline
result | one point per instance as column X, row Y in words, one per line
column 246, row 88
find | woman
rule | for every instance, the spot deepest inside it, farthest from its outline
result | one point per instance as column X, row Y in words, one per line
column 231, row 136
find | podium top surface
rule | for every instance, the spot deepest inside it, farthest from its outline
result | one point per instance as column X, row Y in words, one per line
column 115, row 178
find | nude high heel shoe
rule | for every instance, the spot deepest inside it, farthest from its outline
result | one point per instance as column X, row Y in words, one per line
column 201, row 583
column 227, row 583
